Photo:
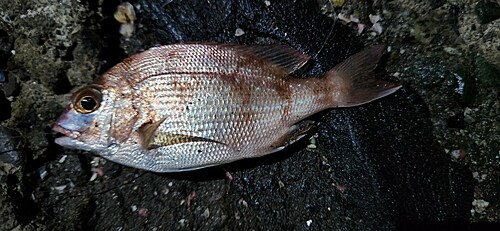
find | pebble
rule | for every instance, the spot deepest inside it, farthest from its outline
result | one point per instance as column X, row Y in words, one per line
column 125, row 14
column 239, row 32
column 42, row 173
column 62, row 159
column 480, row 205
column 3, row 77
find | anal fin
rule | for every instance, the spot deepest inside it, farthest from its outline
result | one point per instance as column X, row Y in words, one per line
column 297, row 132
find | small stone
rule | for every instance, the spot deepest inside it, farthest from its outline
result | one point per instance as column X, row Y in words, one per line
column 452, row 51
column 62, row 159
column 42, row 173
column 243, row 202
column 239, row 32
column 125, row 13
column 61, row 188
column 99, row 171
column 361, row 27
column 343, row 18
column 93, row 177
column 377, row 28
column 281, row 184
column 312, row 143
column 206, row 213
column 353, row 18
column 127, row 30
column 337, row 3
column 374, row 18
column 143, row 212
column 480, row 205
column 458, row 153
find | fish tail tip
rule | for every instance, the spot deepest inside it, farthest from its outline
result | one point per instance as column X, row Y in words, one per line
column 362, row 95
column 356, row 80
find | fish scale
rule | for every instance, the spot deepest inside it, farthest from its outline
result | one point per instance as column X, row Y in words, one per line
column 188, row 106
column 228, row 119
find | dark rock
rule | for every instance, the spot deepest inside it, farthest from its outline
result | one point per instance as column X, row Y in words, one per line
column 9, row 85
column 487, row 11
column 5, row 108
column 453, row 18
column 487, row 74
column 6, row 46
column 437, row 3
column 489, row 189
column 438, row 72
column 11, row 147
column 456, row 121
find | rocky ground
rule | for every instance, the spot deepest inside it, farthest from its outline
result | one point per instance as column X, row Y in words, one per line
column 448, row 51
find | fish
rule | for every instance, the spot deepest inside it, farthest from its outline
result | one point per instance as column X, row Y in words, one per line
column 183, row 107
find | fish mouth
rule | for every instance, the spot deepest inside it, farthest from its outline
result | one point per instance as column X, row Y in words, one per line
column 65, row 132
column 68, row 138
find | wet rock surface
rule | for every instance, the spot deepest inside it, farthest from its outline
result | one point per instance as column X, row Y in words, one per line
column 428, row 154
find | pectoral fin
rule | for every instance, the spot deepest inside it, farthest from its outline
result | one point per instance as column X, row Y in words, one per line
column 147, row 132
column 151, row 138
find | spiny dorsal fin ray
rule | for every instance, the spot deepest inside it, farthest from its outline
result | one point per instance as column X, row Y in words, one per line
column 151, row 139
column 279, row 55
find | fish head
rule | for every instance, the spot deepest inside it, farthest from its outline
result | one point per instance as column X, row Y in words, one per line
column 87, row 123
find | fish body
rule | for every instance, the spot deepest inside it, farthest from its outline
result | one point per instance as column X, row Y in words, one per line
column 188, row 106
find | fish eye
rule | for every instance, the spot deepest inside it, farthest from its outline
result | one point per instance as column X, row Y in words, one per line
column 87, row 100
column 88, row 103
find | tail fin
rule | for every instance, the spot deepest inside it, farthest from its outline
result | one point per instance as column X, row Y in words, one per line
column 354, row 77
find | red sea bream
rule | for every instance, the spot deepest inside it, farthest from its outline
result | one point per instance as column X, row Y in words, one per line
column 188, row 106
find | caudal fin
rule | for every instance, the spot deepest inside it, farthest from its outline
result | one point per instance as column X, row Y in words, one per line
column 355, row 79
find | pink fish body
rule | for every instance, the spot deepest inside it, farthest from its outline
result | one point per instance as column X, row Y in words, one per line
column 189, row 106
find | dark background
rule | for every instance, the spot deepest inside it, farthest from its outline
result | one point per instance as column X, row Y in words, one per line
column 385, row 165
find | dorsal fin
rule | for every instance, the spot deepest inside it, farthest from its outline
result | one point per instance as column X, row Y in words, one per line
column 279, row 55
